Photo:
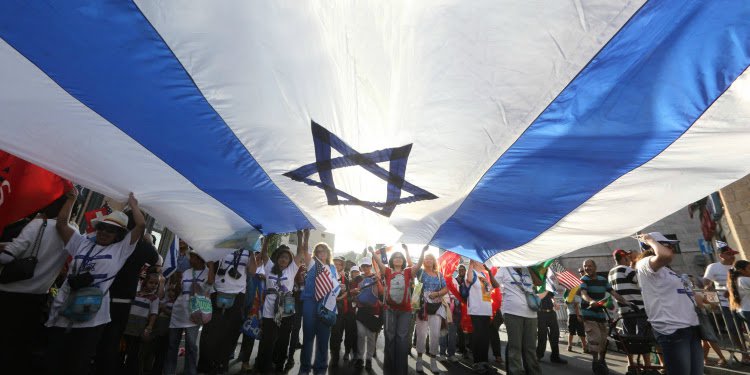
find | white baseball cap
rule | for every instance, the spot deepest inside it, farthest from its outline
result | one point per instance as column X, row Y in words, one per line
column 366, row 261
column 660, row 237
column 354, row 268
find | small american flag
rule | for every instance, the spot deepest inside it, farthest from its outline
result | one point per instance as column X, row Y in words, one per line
column 565, row 277
column 323, row 283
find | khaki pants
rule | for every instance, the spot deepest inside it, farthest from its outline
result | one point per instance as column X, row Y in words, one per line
column 596, row 333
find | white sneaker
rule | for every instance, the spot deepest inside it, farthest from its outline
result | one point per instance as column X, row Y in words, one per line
column 419, row 365
column 433, row 365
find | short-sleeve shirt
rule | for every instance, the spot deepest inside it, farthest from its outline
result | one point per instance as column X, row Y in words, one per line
column 743, row 287
column 597, row 288
column 718, row 273
column 515, row 285
column 283, row 283
column 665, row 297
column 432, row 284
column 144, row 305
column 226, row 283
column 624, row 281
column 571, row 305
column 405, row 304
column 181, row 310
column 103, row 263
column 479, row 302
column 50, row 256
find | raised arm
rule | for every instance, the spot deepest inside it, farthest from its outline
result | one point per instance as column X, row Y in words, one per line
column 494, row 282
column 470, row 273
column 303, row 256
column 377, row 261
column 535, row 278
column 252, row 265
column 663, row 256
column 63, row 229
column 419, row 262
column 211, row 273
column 409, row 263
column 264, row 249
column 140, row 221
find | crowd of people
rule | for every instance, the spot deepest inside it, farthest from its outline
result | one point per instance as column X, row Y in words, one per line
column 103, row 304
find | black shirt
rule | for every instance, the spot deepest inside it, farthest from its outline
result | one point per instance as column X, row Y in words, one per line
column 126, row 281
column 547, row 303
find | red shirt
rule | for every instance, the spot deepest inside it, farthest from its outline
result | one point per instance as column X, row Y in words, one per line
column 405, row 305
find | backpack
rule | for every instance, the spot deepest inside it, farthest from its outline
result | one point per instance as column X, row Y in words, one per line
column 397, row 289
column 83, row 304
column 368, row 295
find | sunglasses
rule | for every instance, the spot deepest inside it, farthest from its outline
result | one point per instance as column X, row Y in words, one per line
column 108, row 228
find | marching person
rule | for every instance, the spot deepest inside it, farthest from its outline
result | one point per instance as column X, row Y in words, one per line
column 342, row 307
column 548, row 328
column 717, row 273
column 278, row 305
column 594, row 289
column 22, row 326
column 670, row 308
column 314, row 331
column 228, row 300
column 197, row 280
column 624, row 280
column 430, row 319
column 76, row 328
column 520, row 319
column 398, row 276
column 575, row 321
column 738, row 284
column 369, row 309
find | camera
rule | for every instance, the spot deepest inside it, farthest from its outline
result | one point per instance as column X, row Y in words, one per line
column 80, row 281
column 233, row 273
column 221, row 272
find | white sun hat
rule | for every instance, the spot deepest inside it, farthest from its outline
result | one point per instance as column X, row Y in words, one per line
column 116, row 218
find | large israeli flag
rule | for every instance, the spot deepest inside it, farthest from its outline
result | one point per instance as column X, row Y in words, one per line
column 511, row 130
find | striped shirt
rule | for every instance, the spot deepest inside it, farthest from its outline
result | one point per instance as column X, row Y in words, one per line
column 624, row 281
column 144, row 305
column 597, row 289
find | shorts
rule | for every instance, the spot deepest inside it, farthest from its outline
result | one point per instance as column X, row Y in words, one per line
column 575, row 326
column 634, row 325
column 596, row 333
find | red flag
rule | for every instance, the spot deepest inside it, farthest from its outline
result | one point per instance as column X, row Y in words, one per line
column 25, row 188
column 93, row 214
column 448, row 261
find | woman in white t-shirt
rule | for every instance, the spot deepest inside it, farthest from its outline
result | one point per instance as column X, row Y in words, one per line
column 669, row 304
column 278, row 305
column 479, row 308
column 72, row 344
column 198, row 279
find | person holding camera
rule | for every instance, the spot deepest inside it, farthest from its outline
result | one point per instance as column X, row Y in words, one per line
column 81, row 308
column 228, row 300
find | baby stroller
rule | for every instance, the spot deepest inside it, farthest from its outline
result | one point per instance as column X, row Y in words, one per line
column 635, row 345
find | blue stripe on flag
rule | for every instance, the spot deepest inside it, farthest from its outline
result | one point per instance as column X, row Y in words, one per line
column 170, row 264
column 107, row 55
column 642, row 91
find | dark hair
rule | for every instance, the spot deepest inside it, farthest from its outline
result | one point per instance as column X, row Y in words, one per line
column 53, row 209
column 275, row 257
column 647, row 253
column 734, row 294
column 397, row 253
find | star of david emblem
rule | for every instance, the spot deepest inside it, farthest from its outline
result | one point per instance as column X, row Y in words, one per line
column 324, row 165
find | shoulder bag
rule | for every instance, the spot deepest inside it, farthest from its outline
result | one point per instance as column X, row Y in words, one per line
column 532, row 300
column 199, row 305
column 23, row 268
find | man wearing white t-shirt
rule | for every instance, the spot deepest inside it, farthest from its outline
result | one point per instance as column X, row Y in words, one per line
column 520, row 319
column 717, row 273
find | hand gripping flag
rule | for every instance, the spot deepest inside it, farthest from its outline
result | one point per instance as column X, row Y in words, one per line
column 386, row 120
column 564, row 277
column 323, row 280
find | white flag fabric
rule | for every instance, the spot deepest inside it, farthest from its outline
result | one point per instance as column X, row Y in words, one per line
column 170, row 261
column 503, row 130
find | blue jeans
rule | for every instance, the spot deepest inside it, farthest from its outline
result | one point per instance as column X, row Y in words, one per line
column 448, row 341
column 683, row 354
column 397, row 343
column 313, row 332
column 191, row 350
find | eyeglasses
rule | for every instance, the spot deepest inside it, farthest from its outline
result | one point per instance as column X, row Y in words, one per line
column 108, row 228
